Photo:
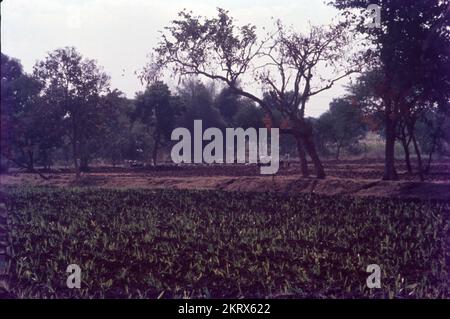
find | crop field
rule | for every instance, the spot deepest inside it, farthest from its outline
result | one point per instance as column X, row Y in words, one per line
column 210, row 244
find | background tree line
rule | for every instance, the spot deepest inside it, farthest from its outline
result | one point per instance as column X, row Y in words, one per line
column 66, row 110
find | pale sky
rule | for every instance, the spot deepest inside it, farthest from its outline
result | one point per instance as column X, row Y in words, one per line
column 119, row 34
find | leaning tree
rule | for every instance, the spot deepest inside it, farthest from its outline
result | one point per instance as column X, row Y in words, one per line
column 289, row 66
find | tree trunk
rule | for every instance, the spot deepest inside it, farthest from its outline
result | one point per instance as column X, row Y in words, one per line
column 84, row 156
column 155, row 148
column 75, row 159
column 430, row 155
column 389, row 159
column 405, row 145
column 47, row 160
column 75, row 148
column 84, row 163
column 155, row 154
column 311, row 149
column 419, row 157
column 30, row 161
column 305, row 133
column 302, row 156
column 338, row 151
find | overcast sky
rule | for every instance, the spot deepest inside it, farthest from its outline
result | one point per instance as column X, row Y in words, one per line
column 120, row 33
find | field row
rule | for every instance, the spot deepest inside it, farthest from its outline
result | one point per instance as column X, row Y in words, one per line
column 358, row 170
column 171, row 244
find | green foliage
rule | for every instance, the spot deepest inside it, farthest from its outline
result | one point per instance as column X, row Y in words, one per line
column 74, row 85
column 198, row 101
column 228, row 104
column 238, row 111
column 115, row 140
column 409, row 57
column 157, row 109
column 141, row 243
column 432, row 132
column 30, row 127
column 248, row 115
column 341, row 127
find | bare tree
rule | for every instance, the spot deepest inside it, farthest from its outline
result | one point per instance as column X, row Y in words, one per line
column 293, row 62
column 285, row 64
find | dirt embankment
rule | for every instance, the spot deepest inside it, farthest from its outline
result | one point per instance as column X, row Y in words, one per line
column 286, row 184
